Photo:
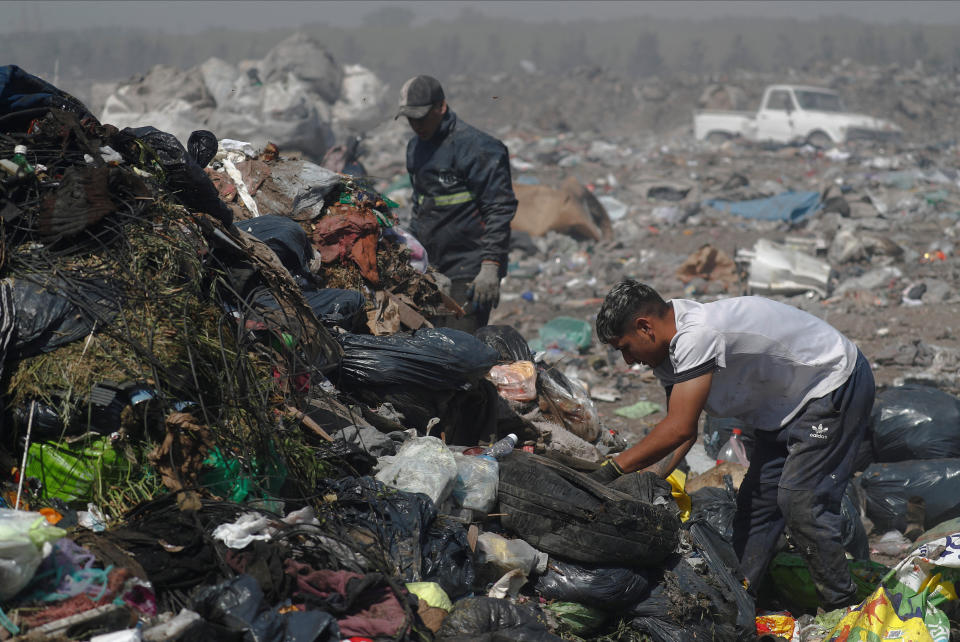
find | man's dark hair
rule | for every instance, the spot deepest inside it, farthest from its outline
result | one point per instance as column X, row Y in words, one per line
column 625, row 302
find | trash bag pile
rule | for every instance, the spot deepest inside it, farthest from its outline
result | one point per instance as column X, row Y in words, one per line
column 204, row 436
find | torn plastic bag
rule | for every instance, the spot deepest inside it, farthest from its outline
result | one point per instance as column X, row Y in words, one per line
column 285, row 237
column 720, row 557
column 22, row 536
column 234, row 610
column 422, row 465
column 466, row 416
column 570, row 515
column 915, row 422
column 335, row 308
column 487, row 619
column 716, row 506
column 476, row 484
column 51, row 313
column 686, row 603
column 578, row 619
column 569, row 403
column 404, row 527
column 605, row 587
column 515, row 381
column 181, row 173
column 447, row 558
column 202, row 146
column 890, row 487
column 78, row 470
column 437, row 358
column 25, row 97
column 509, row 343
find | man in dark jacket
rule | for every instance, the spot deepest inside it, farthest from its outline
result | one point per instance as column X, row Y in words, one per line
column 463, row 198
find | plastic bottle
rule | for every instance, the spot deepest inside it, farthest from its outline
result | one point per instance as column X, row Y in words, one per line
column 20, row 158
column 733, row 450
column 502, row 447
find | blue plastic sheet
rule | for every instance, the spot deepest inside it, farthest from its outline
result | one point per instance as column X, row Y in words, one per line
column 788, row 206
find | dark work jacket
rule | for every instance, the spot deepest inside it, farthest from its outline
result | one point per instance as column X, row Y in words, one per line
column 463, row 198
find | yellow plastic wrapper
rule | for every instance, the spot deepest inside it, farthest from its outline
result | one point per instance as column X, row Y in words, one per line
column 678, row 481
column 432, row 594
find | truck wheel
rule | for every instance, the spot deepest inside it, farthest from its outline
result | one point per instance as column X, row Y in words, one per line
column 820, row 140
column 718, row 138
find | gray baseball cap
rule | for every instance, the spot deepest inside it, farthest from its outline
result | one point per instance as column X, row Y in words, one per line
column 418, row 95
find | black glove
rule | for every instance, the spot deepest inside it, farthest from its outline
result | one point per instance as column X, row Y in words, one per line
column 608, row 471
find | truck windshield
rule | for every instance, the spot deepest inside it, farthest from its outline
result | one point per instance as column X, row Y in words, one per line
column 818, row 101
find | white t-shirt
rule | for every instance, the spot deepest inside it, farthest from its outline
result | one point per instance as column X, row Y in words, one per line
column 768, row 359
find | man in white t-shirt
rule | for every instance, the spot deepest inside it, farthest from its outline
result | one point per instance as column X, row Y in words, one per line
column 805, row 389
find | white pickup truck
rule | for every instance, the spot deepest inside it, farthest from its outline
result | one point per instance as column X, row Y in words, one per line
column 791, row 113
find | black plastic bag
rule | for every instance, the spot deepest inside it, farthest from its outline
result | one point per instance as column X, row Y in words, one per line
column 335, row 308
column 398, row 522
column 686, row 603
column 183, row 175
column 25, row 97
column 719, row 555
column 235, row 610
column 53, row 313
column 607, row 588
column 285, row 237
column 715, row 506
column 437, row 358
column 467, row 416
column 505, row 340
column 915, row 422
column 487, row 619
column 447, row 558
column 202, row 146
column 889, row 487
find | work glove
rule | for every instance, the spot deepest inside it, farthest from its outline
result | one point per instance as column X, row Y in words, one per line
column 608, row 471
column 444, row 284
column 486, row 286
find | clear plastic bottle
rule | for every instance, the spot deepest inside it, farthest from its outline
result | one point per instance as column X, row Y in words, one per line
column 502, row 447
column 733, row 450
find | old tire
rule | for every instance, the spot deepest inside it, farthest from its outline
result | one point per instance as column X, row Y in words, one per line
column 567, row 514
column 718, row 138
column 820, row 140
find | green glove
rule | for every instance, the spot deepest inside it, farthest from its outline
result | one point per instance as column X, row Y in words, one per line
column 486, row 286
column 608, row 471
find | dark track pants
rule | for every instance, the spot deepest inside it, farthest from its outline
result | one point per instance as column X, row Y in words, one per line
column 797, row 477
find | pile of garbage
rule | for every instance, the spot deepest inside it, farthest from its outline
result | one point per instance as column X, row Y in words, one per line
column 297, row 97
column 231, row 408
column 191, row 414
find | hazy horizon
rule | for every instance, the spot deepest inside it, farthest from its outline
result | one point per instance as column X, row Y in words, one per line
column 193, row 17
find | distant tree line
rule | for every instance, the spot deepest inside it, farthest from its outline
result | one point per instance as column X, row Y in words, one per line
column 393, row 45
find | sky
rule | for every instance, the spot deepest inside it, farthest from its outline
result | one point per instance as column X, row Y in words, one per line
column 192, row 17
